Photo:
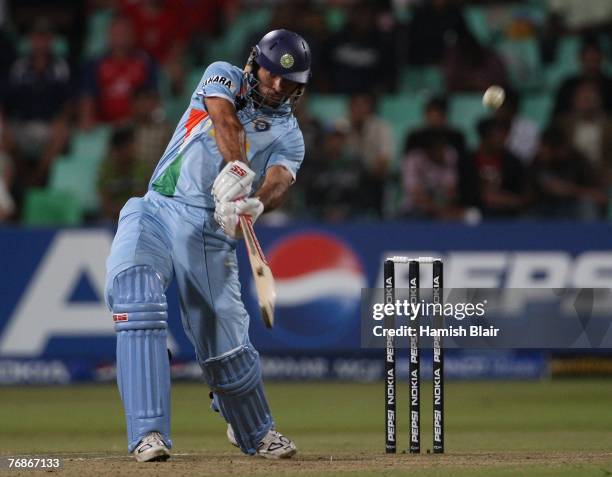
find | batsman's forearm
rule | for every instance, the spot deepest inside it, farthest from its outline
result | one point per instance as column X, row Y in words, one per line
column 229, row 133
column 274, row 188
column 231, row 141
column 272, row 195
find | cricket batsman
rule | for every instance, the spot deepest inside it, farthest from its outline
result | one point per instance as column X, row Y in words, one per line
column 235, row 151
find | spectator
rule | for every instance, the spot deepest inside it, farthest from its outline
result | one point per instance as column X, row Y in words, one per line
column 589, row 128
column 122, row 175
column 111, row 80
column 157, row 27
column 522, row 138
column 436, row 125
column 370, row 139
column 432, row 24
column 68, row 17
column 591, row 69
column 311, row 127
column 7, row 204
column 334, row 191
column 161, row 30
column 207, row 21
column 313, row 133
column 431, row 180
column 549, row 36
column 566, row 185
column 503, row 184
column 37, row 108
column 7, row 58
column 436, row 119
column 152, row 132
column 470, row 66
column 360, row 58
column 582, row 16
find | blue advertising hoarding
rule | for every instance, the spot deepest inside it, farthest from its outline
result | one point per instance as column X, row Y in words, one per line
column 55, row 327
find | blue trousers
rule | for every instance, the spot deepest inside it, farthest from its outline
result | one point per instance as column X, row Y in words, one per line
column 185, row 241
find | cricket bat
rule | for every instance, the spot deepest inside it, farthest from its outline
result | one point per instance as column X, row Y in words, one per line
column 264, row 281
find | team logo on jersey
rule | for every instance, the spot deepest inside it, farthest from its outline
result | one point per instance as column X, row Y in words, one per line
column 221, row 80
column 287, row 60
column 261, row 125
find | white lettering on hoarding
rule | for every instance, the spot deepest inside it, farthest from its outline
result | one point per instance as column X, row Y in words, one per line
column 44, row 310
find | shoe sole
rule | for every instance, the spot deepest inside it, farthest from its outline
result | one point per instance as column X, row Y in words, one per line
column 159, row 458
column 159, row 455
column 289, row 454
column 286, row 455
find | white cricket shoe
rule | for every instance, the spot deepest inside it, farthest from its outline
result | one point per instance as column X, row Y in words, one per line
column 151, row 449
column 273, row 446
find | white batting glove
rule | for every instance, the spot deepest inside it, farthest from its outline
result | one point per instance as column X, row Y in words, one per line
column 227, row 214
column 234, row 181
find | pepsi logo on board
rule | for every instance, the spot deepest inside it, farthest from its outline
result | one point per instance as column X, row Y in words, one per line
column 318, row 286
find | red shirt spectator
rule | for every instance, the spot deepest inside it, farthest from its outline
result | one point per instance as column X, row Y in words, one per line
column 503, row 187
column 207, row 17
column 157, row 26
column 111, row 80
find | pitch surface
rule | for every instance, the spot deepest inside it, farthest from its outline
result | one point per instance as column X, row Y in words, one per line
column 558, row 428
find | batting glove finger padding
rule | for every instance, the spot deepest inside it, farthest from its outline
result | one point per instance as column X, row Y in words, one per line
column 234, row 181
column 227, row 214
column 251, row 206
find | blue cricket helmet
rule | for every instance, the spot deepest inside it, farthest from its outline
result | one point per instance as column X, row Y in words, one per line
column 284, row 53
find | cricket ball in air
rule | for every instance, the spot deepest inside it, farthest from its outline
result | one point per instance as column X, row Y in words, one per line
column 494, row 97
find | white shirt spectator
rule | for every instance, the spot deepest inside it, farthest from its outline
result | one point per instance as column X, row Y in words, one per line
column 523, row 139
column 580, row 14
column 373, row 143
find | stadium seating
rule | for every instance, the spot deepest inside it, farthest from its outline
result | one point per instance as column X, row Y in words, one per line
column 522, row 60
column 334, row 19
column 59, row 46
column 97, row 26
column 77, row 173
column 566, row 63
column 424, row 80
column 328, row 108
column 465, row 110
column 92, row 144
column 404, row 112
column 476, row 19
column 45, row 207
column 76, row 179
column 537, row 107
column 233, row 43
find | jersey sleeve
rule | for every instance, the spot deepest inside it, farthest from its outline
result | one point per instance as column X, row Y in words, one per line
column 289, row 154
column 221, row 80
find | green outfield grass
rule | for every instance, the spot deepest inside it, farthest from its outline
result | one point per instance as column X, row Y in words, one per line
column 560, row 428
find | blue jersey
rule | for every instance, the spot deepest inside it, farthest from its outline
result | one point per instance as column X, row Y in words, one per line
column 192, row 160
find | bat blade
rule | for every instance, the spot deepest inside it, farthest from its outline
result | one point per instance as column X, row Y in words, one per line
column 262, row 274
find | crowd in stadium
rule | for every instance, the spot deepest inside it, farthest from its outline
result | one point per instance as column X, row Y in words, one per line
column 90, row 92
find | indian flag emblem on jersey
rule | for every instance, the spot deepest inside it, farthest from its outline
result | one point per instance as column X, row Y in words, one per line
column 287, row 60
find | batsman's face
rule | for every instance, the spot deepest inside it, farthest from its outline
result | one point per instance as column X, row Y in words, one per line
column 273, row 88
